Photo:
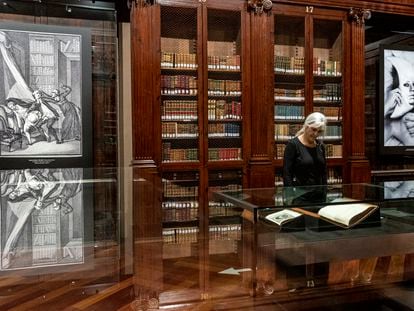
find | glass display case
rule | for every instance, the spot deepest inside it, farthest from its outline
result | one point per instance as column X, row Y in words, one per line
column 336, row 238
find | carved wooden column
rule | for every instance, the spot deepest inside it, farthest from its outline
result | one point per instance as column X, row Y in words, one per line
column 260, row 169
column 147, row 222
column 357, row 167
column 145, row 60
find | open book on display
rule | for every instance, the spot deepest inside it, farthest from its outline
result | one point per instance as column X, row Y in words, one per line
column 283, row 216
column 344, row 215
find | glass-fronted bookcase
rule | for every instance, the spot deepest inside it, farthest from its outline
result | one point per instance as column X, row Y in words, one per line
column 308, row 58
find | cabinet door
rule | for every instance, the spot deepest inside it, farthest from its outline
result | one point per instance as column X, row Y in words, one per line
column 224, row 85
column 289, row 85
column 327, row 92
column 179, row 84
column 180, row 228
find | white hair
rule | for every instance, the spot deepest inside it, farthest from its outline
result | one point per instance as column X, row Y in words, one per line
column 316, row 119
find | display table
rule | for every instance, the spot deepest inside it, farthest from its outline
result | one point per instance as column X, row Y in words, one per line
column 273, row 250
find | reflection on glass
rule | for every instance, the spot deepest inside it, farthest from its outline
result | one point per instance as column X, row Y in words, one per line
column 41, row 216
column 399, row 189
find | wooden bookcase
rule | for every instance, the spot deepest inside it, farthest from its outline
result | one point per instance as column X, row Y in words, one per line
column 308, row 76
column 217, row 91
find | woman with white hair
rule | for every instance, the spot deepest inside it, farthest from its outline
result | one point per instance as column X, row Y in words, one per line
column 304, row 161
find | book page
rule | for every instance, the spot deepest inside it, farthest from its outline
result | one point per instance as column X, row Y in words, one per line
column 346, row 214
column 283, row 216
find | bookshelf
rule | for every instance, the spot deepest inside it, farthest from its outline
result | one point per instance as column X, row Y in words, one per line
column 43, row 64
column 179, row 85
column 226, row 88
column 308, row 80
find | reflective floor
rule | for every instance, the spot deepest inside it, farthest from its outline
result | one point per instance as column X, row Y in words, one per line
column 72, row 240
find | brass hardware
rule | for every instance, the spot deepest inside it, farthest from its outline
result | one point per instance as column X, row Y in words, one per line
column 309, row 9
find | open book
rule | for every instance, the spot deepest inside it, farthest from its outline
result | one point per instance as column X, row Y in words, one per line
column 344, row 215
column 283, row 216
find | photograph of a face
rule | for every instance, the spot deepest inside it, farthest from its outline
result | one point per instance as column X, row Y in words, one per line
column 397, row 100
column 41, row 218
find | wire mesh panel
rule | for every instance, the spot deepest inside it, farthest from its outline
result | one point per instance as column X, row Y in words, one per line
column 179, row 85
column 289, row 87
column 224, row 85
column 327, row 72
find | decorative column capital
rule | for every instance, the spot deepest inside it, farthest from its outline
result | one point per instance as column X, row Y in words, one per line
column 139, row 3
column 359, row 15
column 260, row 6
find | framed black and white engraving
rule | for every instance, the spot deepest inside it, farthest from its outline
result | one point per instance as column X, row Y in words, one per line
column 43, row 219
column 396, row 88
column 45, row 96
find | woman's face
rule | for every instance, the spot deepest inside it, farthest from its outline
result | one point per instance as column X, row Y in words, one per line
column 407, row 90
column 313, row 132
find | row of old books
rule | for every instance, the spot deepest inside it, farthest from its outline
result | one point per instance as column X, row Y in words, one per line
column 224, row 130
column 333, row 132
column 173, row 190
column 224, row 87
column 180, row 235
column 178, row 85
column 179, row 211
column 42, row 71
column 323, row 67
column 170, row 154
column 333, row 174
column 42, row 60
column 41, row 45
column 178, row 60
column 222, row 110
column 216, row 154
column 222, row 209
column 289, row 64
column 330, row 92
column 286, row 131
column 229, row 62
column 289, row 94
column 179, row 110
column 225, row 232
column 289, row 112
column 333, row 151
column 183, row 235
column 331, row 113
column 179, row 130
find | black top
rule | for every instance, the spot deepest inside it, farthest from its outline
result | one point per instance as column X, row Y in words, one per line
column 303, row 165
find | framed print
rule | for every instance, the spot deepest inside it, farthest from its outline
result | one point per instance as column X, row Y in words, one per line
column 396, row 85
column 43, row 219
column 45, row 96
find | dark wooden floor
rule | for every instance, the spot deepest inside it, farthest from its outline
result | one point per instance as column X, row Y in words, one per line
column 184, row 283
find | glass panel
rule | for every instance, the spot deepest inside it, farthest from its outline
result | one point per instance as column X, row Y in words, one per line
column 289, row 88
column 224, row 86
column 179, row 108
column 224, row 234
column 180, row 229
column 327, row 90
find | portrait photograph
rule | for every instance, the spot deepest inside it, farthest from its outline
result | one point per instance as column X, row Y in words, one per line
column 45, row 96
column 396, row 100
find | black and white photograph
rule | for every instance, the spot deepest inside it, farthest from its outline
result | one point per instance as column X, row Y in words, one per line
column 397, row 100
column 399, row 189
column 42, row 218
column 44, row 86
